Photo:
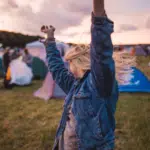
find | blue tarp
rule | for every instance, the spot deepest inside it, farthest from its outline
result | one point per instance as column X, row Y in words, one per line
column 139, row 83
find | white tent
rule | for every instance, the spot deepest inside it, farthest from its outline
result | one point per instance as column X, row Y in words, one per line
column 37, row 48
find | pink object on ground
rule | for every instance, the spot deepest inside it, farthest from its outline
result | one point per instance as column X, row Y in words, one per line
column 47, row 89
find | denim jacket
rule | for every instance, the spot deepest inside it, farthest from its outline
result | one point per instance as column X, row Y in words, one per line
column 93, row 98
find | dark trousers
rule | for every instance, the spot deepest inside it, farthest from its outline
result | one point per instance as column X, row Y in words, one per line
column 7, row 84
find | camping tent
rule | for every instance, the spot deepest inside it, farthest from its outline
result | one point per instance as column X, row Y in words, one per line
column 148, row 50
column 49, row 89
column 37, row 49
column 138, row 83
column 140, row 51
column 39, row 68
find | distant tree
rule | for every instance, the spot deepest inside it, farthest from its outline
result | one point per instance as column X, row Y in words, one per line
column 16, row 39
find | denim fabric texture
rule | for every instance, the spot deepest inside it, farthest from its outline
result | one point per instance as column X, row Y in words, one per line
column 94, row 97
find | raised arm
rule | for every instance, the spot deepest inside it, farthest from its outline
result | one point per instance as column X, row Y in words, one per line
column 98, row 8
column 55, row 63
column 102, row 64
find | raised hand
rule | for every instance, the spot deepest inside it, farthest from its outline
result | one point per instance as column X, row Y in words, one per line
column 98, row 8
column 49, row 31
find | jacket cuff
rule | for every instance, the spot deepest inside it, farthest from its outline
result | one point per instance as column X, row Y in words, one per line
column 50, row 43
column 100, row 20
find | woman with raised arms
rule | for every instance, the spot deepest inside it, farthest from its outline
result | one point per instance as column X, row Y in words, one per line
column 88, row 121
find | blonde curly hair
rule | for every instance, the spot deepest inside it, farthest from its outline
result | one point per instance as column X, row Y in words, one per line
column 124, row 61
column 80, row 56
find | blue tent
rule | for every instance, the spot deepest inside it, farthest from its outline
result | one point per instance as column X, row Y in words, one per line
column 139, row 83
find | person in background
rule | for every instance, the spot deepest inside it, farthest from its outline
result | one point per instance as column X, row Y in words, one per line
column 88, row 119
column 27, row 58
column 6, row 59
column 18, row 73
column 133, row 51
column 7, row 80
column 121, row 48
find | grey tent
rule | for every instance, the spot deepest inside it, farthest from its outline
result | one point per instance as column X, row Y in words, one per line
column 140, row 51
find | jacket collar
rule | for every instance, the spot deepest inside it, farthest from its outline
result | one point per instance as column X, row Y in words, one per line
column 85, row 75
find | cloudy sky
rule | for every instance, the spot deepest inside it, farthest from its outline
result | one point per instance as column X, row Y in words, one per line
column 72, row 18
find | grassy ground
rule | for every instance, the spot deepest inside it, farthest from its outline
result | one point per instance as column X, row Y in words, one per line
column 27, row 123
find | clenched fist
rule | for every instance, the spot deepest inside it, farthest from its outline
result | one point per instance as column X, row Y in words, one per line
column 49, row 31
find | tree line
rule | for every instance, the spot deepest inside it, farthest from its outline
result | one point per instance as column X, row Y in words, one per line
column 13, row 39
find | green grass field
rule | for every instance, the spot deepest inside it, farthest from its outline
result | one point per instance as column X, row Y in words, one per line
column 27, row 123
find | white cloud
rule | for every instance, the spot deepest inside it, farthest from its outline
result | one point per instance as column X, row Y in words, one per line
column 71, row 18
